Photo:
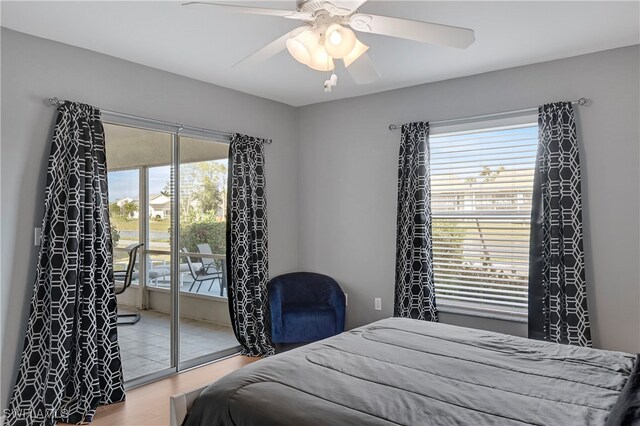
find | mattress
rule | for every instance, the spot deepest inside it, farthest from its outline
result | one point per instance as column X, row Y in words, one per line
column 408, row 372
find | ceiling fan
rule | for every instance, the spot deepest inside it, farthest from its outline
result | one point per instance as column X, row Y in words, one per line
column 326, row 35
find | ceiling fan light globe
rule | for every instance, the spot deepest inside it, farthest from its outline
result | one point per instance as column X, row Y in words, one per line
column 320, row 61
column 335, row 38
column 358, row 50
column 301, row 47
column 299, row 51
column 339, row 41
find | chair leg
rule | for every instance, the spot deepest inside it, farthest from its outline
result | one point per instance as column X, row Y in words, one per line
column 199, row 285
column 221, row 287
column 192, row 284
column 213, row 281
column 135, row 319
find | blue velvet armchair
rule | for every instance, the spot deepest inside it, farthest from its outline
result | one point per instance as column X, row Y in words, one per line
column 305, row 307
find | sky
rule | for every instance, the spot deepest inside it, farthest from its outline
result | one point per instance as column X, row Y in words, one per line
column 125, row 183
column 467, row 154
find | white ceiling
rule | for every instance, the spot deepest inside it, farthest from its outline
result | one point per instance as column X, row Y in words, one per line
column 201, row 43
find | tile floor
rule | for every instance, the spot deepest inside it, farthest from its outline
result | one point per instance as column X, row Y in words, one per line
column 145, row 346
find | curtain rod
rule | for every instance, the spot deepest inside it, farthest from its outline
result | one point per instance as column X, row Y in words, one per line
column 179, row 127
column 581, row 101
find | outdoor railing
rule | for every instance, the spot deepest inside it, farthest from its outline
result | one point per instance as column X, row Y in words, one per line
column 158, row 271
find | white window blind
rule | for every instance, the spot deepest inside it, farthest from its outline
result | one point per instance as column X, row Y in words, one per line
column 481, row 189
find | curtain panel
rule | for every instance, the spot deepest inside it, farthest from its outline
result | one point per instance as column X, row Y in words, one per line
column 71, row 359
column 414, row 290
column 557, row 287
column 247, row 252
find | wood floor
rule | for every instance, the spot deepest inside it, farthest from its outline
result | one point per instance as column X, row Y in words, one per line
column 149, row 405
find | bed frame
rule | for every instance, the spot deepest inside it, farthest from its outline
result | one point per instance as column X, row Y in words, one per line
column 181, row 403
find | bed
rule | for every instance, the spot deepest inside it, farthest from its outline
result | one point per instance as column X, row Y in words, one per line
column 402, row 371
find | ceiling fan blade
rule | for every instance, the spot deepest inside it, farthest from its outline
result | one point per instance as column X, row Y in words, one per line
column 425, row 32
column 270, row 50
column 253, row 10
column 363, row 70
column 343, row 7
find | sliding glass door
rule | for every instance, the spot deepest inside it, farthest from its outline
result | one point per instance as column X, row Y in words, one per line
column 168, row 192
column 140, row 166
column 205, row 328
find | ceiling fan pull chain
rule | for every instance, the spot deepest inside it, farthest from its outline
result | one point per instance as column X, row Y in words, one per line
column 330, row 82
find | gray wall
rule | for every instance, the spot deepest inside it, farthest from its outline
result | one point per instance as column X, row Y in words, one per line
column 34, row 68
column 347, row 190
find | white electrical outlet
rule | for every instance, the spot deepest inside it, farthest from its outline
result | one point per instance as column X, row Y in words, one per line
column 36, row 236
column 346, row 299
column 377, row 304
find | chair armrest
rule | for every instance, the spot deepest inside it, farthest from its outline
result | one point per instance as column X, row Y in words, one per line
column 275, row 305
column 337, row 301
column 119, row 275
column 206, row 268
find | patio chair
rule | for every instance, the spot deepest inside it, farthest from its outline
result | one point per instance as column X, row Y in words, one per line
column 125, row 277
column 211, row 264
column 201, row 274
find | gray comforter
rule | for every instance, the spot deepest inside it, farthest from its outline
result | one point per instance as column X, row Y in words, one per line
column 401, row 371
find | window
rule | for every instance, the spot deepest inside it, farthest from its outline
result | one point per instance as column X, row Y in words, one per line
column 481, row 189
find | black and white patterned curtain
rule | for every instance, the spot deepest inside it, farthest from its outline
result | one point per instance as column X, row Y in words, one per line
column 414, row 293
column 71, row 358
column 557, row 289
column 247, row 253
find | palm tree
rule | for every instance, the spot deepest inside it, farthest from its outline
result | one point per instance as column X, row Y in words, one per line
column 128, row 208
